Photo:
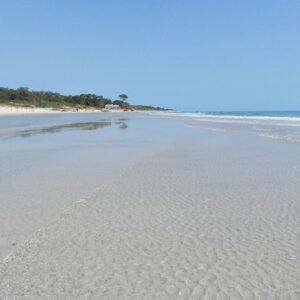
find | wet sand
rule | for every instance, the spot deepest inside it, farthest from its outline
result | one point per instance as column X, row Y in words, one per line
column 202, row 215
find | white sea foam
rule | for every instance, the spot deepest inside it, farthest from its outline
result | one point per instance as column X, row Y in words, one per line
column 275, row 120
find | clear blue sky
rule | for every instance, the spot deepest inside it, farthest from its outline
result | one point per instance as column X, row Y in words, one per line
column 189, row 55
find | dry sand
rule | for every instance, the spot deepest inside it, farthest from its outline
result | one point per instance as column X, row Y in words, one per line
column 212, row 216
column 12, row 110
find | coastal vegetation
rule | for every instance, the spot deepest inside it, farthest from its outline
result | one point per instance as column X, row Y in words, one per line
column 27, row 98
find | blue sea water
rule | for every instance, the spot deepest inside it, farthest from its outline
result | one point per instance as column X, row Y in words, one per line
column 279, row 125
column 280, row 114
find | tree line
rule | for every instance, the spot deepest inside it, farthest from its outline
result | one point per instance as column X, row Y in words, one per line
column 24, row 97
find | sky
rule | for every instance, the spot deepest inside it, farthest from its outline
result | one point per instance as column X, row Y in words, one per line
column 189, row 55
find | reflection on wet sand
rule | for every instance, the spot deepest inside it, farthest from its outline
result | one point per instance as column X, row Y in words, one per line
column 72, row 126
column 122, row 125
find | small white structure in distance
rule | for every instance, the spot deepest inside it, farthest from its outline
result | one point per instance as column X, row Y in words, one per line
column 111, row 106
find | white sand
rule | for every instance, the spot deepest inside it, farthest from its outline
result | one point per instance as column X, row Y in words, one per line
column 213, row 216
column 11, row 110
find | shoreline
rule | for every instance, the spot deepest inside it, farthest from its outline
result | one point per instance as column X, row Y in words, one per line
column 231, row 118
column 6, row 110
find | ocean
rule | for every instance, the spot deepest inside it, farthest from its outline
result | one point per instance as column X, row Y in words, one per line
column 285, row 116
column 279, row 125
column 255, row 115
column 276, row 114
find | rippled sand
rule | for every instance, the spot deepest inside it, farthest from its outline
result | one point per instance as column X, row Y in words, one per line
column 211, row 216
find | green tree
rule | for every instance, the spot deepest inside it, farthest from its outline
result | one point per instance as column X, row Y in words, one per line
column 123, row 97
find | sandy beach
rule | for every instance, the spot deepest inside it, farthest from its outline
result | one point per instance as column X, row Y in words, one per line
column 12, row 110
column 147, row 207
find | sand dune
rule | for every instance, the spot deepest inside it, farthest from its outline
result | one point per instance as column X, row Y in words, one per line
column 194, row 221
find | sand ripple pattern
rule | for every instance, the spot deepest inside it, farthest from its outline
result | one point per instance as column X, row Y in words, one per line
column 186, row 223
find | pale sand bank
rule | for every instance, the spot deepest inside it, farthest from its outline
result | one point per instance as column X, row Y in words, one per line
column 11, row 110
column 212, row 216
